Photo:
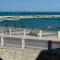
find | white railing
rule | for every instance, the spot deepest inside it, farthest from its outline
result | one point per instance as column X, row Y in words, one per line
column 24, row 35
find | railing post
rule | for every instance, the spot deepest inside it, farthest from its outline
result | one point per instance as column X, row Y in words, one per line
column 2, row 39
column 49, row 45
column 58, row 34
column 23, row 40
column 40, row 33
column 10, row 31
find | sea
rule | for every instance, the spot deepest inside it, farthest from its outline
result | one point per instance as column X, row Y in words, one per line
column 32, row 23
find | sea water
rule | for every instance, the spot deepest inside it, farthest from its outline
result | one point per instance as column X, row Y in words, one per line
column 32, row 23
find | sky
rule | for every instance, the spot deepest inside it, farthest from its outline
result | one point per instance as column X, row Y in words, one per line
column 30, row 5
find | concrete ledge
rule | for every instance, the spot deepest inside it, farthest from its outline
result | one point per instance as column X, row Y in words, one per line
column 7, row 54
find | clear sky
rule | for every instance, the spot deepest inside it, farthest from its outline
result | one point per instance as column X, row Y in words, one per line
column 30, row 5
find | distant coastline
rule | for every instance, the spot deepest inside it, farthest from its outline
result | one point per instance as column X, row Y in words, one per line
column 28, row 13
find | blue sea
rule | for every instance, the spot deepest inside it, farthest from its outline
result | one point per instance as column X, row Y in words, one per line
column 32, row 23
